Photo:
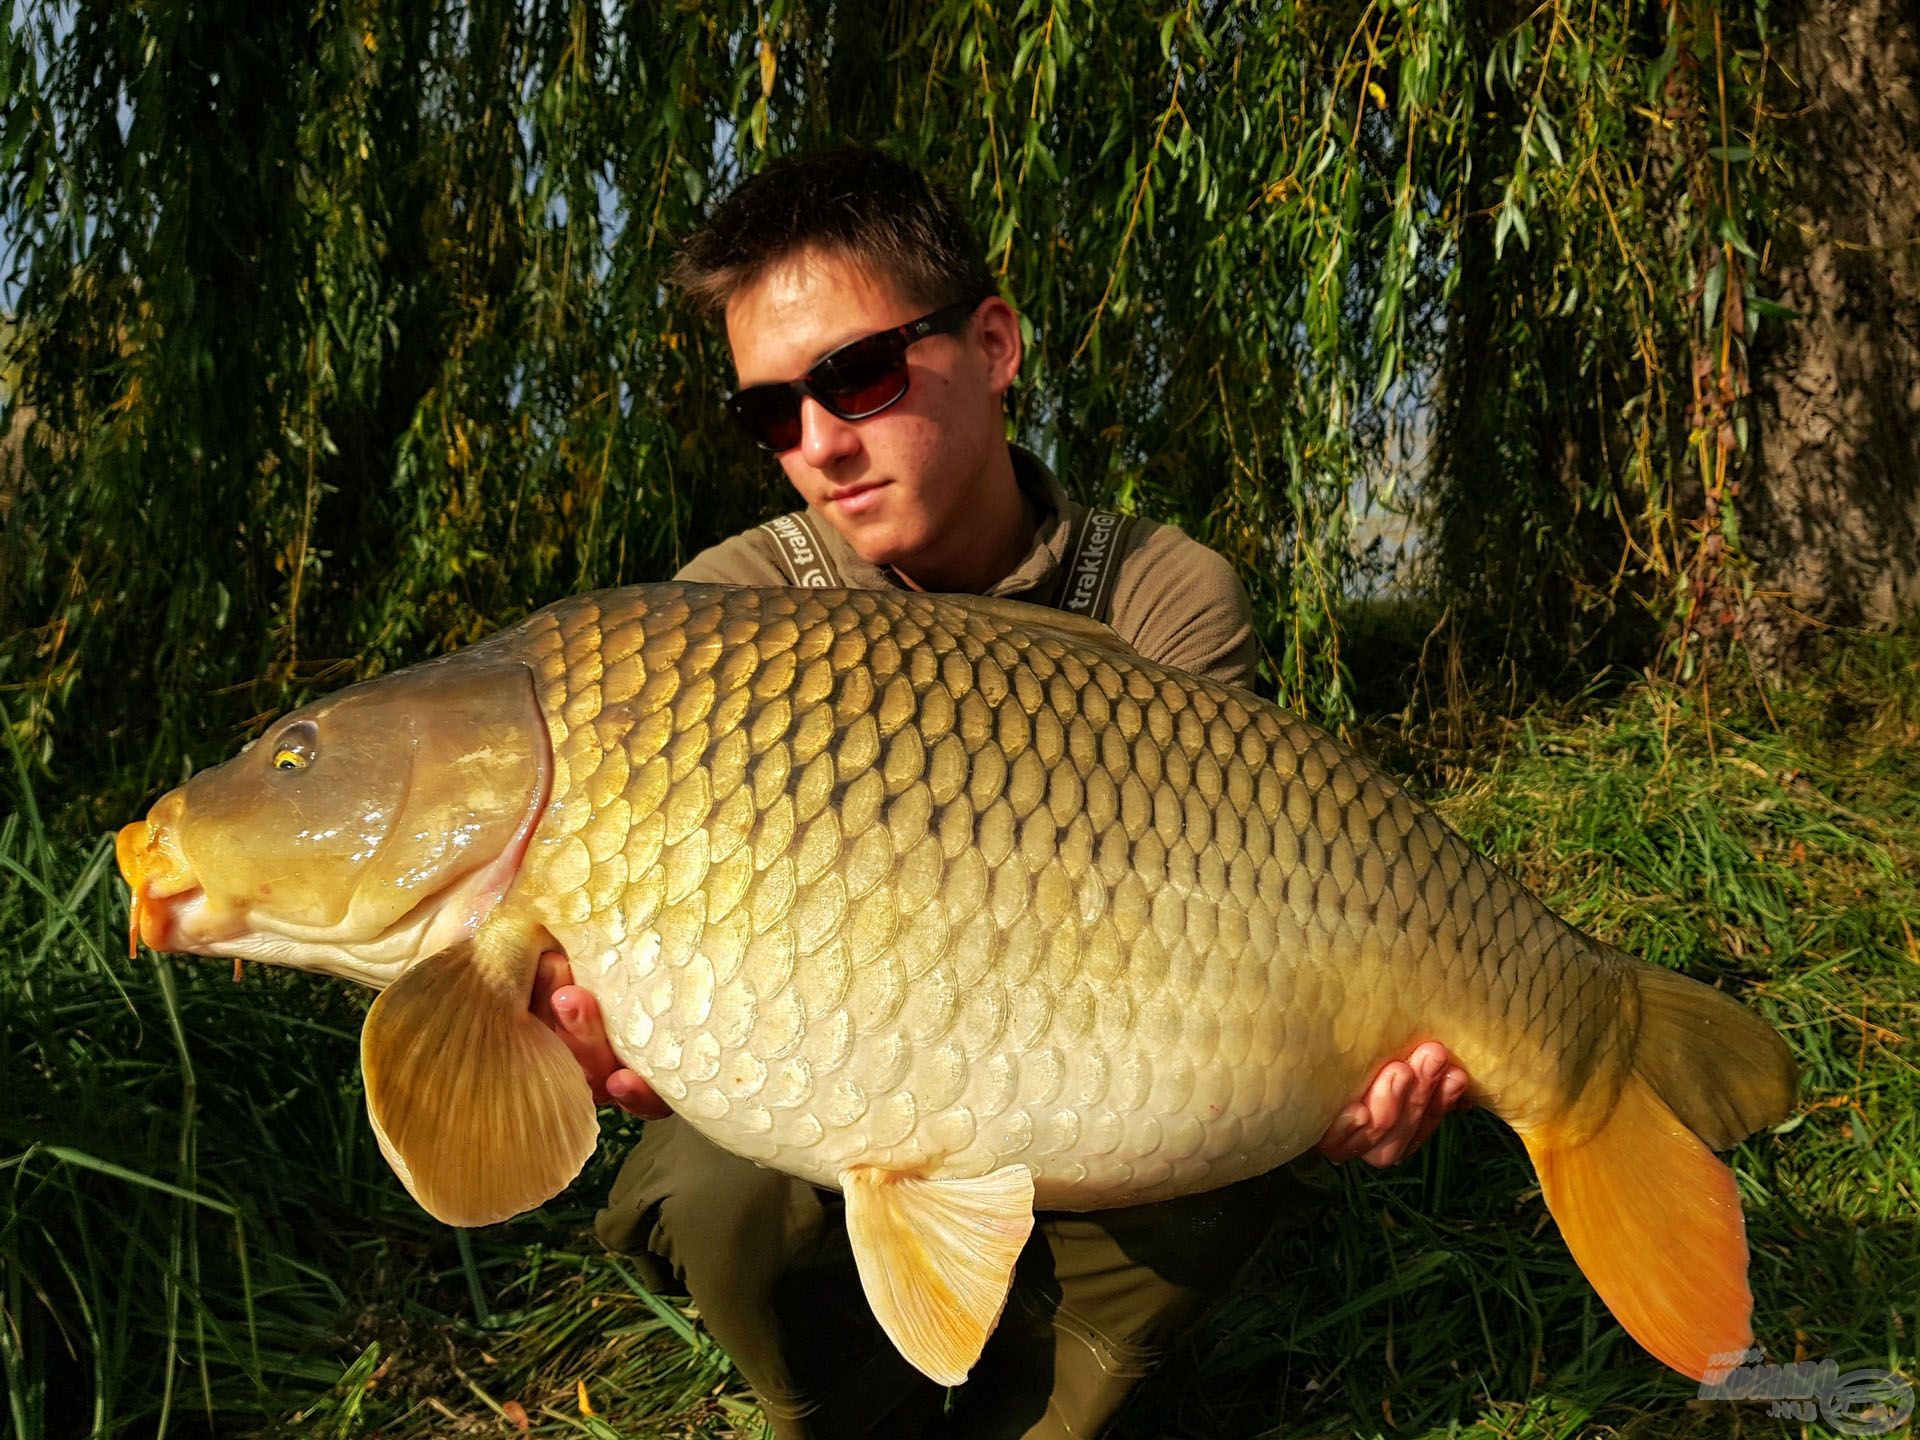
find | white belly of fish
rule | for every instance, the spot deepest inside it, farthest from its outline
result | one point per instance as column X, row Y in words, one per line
column 1109, row 1101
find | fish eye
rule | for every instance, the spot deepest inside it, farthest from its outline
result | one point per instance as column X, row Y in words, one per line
column 295, row 746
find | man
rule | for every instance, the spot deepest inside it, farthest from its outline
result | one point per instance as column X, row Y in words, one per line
column 873, row 356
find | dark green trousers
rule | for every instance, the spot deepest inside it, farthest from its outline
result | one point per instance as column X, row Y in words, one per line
column 1097, row 1298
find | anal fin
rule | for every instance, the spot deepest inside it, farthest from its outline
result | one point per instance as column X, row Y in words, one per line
column 936, row 1258
column 479, row 1107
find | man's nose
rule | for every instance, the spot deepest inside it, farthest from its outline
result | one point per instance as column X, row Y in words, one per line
column 824, row 436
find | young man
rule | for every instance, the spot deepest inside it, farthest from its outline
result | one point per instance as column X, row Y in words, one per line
column 873, row 355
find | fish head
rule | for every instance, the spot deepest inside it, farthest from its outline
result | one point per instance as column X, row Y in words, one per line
column 357, row 835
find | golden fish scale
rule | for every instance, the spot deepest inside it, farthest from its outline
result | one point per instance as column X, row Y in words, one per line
column 874, row 878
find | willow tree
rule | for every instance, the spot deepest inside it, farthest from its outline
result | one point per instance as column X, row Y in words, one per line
column 342, row 334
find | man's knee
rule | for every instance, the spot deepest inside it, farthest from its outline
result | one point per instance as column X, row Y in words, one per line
column 704, row 1212
column 766, row 1257
column 1114, row 1291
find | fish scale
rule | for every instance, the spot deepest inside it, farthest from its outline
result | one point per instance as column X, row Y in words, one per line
column 930, row 893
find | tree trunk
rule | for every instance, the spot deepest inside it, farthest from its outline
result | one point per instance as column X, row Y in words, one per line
column 1833, row 515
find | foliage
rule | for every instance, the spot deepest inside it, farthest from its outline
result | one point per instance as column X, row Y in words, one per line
column 342, row 336
column 1596, row 427
column 197, row 1234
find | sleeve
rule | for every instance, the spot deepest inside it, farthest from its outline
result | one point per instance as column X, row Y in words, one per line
column 1180, row 604
column 749, row 558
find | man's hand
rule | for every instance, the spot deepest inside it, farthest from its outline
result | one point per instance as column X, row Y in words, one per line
column 1402, row 1107
column 575, row 1017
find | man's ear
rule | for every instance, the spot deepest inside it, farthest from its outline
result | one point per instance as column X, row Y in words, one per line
column 997, row 325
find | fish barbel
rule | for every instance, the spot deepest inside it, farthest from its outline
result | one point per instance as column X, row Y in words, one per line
column 956, row 905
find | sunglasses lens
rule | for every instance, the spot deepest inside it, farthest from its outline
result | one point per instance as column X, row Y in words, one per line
column 862, row 379
column 770, row 415
column 859, row 380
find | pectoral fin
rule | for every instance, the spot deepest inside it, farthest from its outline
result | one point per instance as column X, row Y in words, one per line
column 936, row 1258
column 478, row 1106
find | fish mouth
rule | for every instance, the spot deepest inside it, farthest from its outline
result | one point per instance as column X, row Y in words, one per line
column 158, row 922
column 156, row 871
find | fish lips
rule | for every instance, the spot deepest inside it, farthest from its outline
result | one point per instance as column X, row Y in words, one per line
column 156, row 870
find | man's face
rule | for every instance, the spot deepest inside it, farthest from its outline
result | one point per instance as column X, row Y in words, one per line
column 893, row 485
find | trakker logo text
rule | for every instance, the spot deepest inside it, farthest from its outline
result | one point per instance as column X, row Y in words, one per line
column 1092, row 562
column 807, row 569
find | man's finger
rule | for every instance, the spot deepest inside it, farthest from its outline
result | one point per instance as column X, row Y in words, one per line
column 549, row 974
column 1387, row 1098
column 580, row 1027
column 1426, row 1108
column 1402, row 1107
column 635, row 1096
column 579, row 1016
column 1345, row 1137
column 1448, row 1095
column 1393, row 1121
column 1403, row 1135
column 1363, row 1125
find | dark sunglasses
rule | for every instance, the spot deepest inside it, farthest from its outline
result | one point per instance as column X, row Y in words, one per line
column 859, row 379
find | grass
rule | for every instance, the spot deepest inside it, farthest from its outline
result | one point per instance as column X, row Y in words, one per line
column 199, row 1237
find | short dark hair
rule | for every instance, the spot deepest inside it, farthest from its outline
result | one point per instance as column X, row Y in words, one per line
column 864, row 204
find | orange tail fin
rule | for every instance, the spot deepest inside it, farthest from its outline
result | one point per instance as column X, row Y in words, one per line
column 1654, row 1221
column 1651, row 1217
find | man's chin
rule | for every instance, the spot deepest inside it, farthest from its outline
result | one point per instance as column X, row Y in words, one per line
column 885, row 547
column 874, row 537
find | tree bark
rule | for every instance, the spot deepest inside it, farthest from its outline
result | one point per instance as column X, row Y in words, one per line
column 1832, row 518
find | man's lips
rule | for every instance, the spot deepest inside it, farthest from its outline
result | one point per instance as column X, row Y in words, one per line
column 852, row 499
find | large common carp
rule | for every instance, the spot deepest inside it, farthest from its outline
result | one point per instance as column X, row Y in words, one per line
column 959, row 906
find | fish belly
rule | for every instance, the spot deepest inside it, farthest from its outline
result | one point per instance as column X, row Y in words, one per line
column 1139, row 1101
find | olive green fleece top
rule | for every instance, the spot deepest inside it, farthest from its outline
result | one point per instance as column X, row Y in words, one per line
column 1174, row 601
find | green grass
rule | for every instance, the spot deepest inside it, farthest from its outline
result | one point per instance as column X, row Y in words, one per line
column 199, row 1237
